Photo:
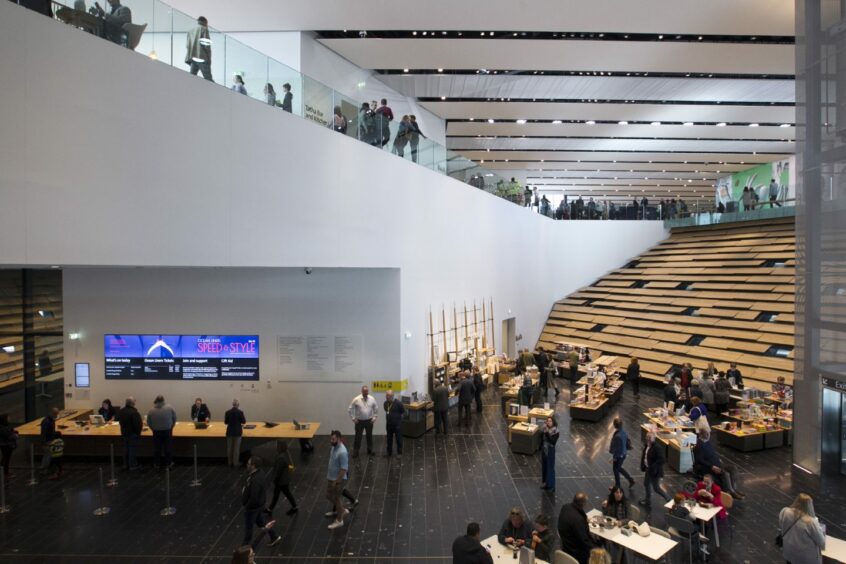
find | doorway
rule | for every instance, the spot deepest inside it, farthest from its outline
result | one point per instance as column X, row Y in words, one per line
column 509, row 337
column 834, row 430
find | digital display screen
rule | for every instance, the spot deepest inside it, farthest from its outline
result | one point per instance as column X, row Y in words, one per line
column 82, row 376
column 181, row 357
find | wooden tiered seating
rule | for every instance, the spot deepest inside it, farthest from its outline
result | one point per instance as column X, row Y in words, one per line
column 704, row 294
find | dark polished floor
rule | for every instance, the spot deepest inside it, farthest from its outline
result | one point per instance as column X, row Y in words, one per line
column 410, row 510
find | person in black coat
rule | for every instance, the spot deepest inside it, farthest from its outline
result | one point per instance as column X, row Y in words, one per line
column 394, row 410
column 515, row 530
column 466, row 393
column 234, row 420
column 253, row 499
column 467, row 549
column 652, row 464
column 734, row 372
column 107, row 410
column 670, row 391
column 281, row 477
column 633, row 376
column 440, row 397
column 573, row 529
column 8, row 442
column 478, row 387
column 200, row 411
column 131, row 426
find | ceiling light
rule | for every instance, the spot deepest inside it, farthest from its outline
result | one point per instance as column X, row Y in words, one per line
column 424, row 33
column 721, row 124
column 440, row 70
column 490, row 121
column 556, row 121
column 622, row 123
column 660, row 37
column 471, row 119
column 413, row 33
column 700, row 38
column 404, row 70
column 784, row 125
column 443, row 97
column 753, row 125
column 521, row 121
column 590, row 122
column 9, row 349
column 688, row 123
column 655, row 123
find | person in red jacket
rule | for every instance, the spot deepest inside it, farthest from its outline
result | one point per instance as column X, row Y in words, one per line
column 709, row 492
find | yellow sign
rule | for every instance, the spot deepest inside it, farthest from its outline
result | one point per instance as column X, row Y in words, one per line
column 385, row 385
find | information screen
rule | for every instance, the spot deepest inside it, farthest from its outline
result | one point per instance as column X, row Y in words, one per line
column 181, row 357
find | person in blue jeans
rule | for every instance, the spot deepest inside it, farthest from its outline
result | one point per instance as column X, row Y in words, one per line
column 550, row 437
column 619, row 449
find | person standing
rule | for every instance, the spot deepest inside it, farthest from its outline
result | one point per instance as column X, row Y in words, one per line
column 468, row 549
column 234, row 420
column 287, row 98
column 401, row 138
column 363, row 411
column 336, row 477
column 394, row 410
column 200, row 411
column 238, row 85
column 633, row 376
column 706, row 384
column 282, row 467
column 734, row 372
column 773, row 193
column 573, row 529
column 254, row 499
column 466, row 393
column 478, row 387
column 161, row 420
column 652, row 464
column 198, row 49
column 527, row 197
column 440, row 398
column 114, row 20
column 619, row 449
column 414, row 136
column 366, row 124
column 549, row 440
column 384, row 116
column 269, row 94
column 8, row 443
column 107, row 410
column 48, row 433
column 130, row 429
column 803, row 537
column 573, row 359
column 722, row 393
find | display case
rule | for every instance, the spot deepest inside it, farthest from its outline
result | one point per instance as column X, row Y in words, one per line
column 418, row 419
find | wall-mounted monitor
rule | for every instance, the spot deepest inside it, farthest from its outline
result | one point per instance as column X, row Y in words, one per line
column 181, row 357
column 82, row 375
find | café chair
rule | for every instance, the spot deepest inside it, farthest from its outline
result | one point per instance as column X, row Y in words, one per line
column 683, row 529
column 133, row 34
column 728, row 503
column 561, row 557
column 634, row 513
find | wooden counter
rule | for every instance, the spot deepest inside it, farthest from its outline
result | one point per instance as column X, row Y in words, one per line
column 746, row 440
column 418, row 419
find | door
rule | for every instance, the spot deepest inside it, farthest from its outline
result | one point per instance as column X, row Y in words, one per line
column 509, row 337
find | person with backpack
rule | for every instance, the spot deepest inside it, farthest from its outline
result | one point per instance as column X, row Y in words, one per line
column 366, row 125
column 619, row 449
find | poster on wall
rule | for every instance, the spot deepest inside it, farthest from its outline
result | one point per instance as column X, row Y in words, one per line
column 328, row 357
column 181, row 357
column 767, row 181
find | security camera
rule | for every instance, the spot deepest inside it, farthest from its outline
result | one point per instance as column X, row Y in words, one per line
column 309, row 270
column 362, row 34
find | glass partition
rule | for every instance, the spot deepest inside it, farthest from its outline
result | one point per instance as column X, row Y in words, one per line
column 289, row 98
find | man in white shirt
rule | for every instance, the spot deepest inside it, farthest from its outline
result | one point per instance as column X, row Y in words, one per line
column 363, row 411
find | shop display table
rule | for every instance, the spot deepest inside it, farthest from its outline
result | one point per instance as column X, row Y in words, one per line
column 653, row 547
column 501, row 553
column 525, row 438
column 595, row 409
column 749, row 439
column 678, row 457
column 418, row 419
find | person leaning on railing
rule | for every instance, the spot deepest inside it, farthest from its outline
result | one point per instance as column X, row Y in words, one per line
column 114, row 20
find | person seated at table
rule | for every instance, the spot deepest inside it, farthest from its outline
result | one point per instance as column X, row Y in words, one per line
column 114, row 20
column 599, row 556
column 468, row 549
column 680, row 510
column 707, row 461
column 616, row 506
column 107, row 410
column 573, row 529
column 515, row 531
column 709, row 492
column 543, row 541
column 698, row 413
column 200, row 411
column 671, row 390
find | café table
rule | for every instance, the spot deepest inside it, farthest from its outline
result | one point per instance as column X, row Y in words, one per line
column 501, row 553
column 835, row 549
column 652, row 547
column 703, row 514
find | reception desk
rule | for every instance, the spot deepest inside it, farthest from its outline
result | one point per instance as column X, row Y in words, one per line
column 83, row 439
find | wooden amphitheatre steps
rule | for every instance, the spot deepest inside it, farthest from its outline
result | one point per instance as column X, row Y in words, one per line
column 721, row 293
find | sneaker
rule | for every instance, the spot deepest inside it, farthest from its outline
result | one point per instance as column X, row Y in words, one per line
column 275, row 541
column 346, row 512
column 269, row 525
column 329, row 514
column 335, row 524
column 355, row 503
column 292, row 511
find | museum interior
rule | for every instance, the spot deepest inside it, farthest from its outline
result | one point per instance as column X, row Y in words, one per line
column 464, row 281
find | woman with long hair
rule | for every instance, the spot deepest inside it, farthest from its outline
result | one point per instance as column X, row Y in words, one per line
column 550, row 438
column 803, row 538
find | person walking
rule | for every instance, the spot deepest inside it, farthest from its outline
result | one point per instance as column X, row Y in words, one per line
column 401, row 138
column 238, row 85
column 281, row 476
column 363, row 411
column 336, row 477
column 394, row 410
column 339, row 121
column 130, row 429
column 773, row 191
column 198, row 49
column 414, row 135
column 440, row 398
column 234, row 420
column 478, row 388
column 366, row 124
column 633, row 376
column 652, row 464
column 8, row 443
column 549, row 440
column 384, row 117
column 722, row 394
column 466, row 393
column 287, row 98
column 161, row 420
column 803, row 537
column 573, row 360
column 254, row 500
column 619, row 449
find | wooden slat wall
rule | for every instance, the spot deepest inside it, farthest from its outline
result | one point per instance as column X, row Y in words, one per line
column 726, row 275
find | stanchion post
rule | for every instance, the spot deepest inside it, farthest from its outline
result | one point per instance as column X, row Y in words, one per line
column 196, row 481
column 113, row 481
column 32, row 480
column 3, row 507
column 168, row 509
column 102, row 510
